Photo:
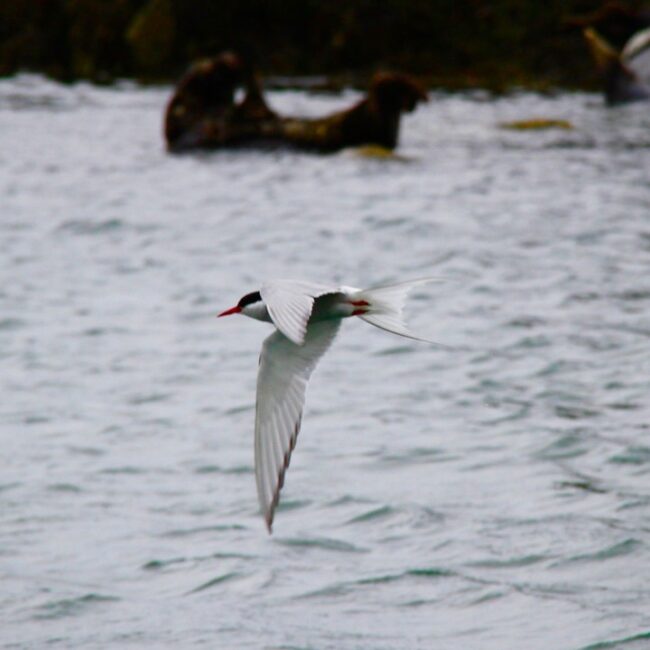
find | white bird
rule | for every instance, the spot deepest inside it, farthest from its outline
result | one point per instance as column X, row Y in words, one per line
column 307, row 317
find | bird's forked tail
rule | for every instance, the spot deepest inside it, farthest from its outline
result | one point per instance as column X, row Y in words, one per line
column 384, row 307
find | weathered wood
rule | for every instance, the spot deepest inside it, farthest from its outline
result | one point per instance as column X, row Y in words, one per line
column 373, row 120
column 203, row 114
column 202, row 111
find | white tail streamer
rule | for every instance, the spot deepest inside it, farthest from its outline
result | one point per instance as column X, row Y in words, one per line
column 385, row 305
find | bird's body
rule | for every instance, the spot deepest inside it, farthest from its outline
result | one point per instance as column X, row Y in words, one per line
column 626, row 73
column 328, row 306
column 307, row 317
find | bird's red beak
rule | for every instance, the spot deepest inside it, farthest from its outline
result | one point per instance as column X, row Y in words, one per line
column 233, row 310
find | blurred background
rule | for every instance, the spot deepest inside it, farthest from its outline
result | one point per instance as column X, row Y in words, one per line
column 454, row 44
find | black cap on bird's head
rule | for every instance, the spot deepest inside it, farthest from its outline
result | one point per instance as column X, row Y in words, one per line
column 248, row 299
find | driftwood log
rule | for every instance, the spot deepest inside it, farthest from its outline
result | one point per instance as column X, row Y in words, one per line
column 203, row 113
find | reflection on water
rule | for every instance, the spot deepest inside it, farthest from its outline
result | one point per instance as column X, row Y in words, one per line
column 492, row 495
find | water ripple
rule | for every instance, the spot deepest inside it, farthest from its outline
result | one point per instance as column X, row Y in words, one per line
column 57, row 609
column 321, row 543
column 492, row 495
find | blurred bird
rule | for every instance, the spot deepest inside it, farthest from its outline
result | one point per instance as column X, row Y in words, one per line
column 307, row 317
column 626, row 73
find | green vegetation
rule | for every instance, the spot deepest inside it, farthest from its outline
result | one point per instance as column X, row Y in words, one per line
column 536, row 124
column 451, row 43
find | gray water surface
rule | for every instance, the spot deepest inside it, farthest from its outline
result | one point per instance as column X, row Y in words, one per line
column 490, row 496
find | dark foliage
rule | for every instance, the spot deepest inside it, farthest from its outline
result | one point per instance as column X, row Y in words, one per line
column 454, row 43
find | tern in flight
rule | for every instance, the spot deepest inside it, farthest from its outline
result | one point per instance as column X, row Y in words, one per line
column 307, row 317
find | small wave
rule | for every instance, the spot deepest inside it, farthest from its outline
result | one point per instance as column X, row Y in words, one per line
column 125, row 469
column 64, row 487
column 337, row 589
column 157, row 565
column 323, row 543
column 85, row 451
column 102, row 331
column 575, row 412
column 621, row 549
column 570, row 445
column 347, row 500
column 510, row 563
column 137, row 400
column 418, row 455
column 632, row 456
column 395, row 350
column 526, row 322
column 188, row 532
column 488, row 597
column 533, row 342
column 219, row 580
column 293, row 504
column 9, row 486
column 432, row 572
column 217, row 469
column 624, row 406
column 376, row 513
column 342, row 588
column 81, row 227
column 584, row 485
column 36, row 419
column 633, row 294
column 635, row 642
column 8, row 324
column 72, row 606
column 235, row 410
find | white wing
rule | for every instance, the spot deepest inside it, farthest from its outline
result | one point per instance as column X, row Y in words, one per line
column 284, row 371
column 636, row 44
column 636, row 54
column 290, row 302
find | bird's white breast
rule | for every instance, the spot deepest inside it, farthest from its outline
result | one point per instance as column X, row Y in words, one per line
column 258, row 311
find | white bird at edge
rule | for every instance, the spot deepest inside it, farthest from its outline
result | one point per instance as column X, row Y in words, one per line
column 307, row 317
